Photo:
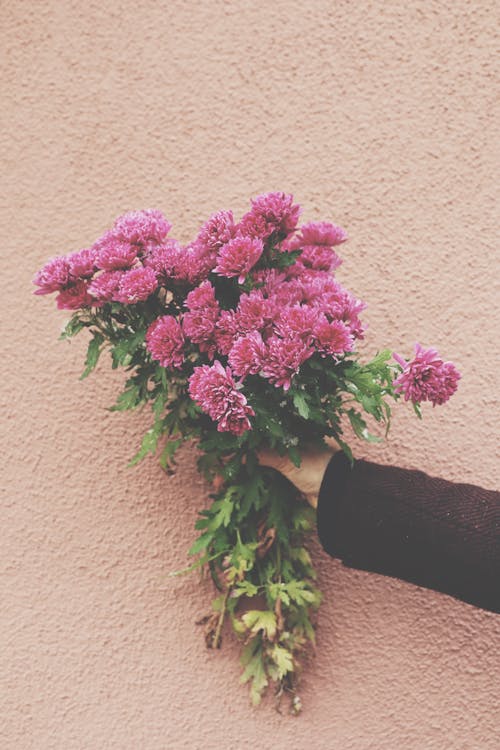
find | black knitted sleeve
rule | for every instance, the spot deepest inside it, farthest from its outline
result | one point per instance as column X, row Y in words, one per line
column 405, row 524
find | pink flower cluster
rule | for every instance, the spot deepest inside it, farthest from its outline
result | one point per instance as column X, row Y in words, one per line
column 235, row 301
column 114, row 269
column 426, row 377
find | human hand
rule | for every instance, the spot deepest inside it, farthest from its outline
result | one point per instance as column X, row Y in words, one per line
column 307, row 478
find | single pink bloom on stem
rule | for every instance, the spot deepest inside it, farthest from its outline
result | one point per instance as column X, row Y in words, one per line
column 426, row 377
column 74, row 296
column 214, row 390
column 283, row 360
column 140, row 227
column 247, row 354
column 53, row 277
column 238, row 256
column 137, row 285
column 165, row 341
column 271, row 214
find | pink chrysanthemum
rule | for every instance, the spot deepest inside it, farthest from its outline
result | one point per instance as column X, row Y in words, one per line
column 283, row 360
column 288, row 293
column 214, row 390
column 199, row 322
column 247, row 354
column 297, row 321
column 332, row 338
column 321, row 233
column 318, row 257
column 226, row 331
column 165, row 341
column 113, row 254
column 74, row 297
column 82, row 264
column 255, row 312
column 104, row 287
column 271, row 214
column 238, row 256
column 137, row 285
column 139, row 227
column 351, row 309
column 165, row 260
column 426, row 377
column 53, row 277
column 217, row 231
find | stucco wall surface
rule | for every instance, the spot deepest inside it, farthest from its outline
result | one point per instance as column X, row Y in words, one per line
column 377, row 115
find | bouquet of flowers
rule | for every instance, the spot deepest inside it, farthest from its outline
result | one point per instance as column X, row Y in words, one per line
column 242, row 340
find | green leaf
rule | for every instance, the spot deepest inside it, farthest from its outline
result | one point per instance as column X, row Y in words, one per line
column 222, row 509
column 253, row 491
column 245, row 588
column 129, row 399
column 300, row 403
column 201, row 543
column 261, row 620
column 380, row 359
column 73, row 326
column 283, row 660
column 360, row 427
column 253, row 657
column 123, row 351
column 417, row 410
column 167, row 457
column 345, row 448
column 148, row 445
column 294, row 455
column 93, row 353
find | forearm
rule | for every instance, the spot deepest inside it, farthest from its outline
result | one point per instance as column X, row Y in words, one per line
column 402, row 523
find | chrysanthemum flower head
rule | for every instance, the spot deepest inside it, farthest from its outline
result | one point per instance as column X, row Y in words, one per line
column 104, row 287
column 238, row 256
column 214, row 390
column 112, row 254
column 53, row 277
column 321, row 233
column 82, row 263
column 426, row 377
column 271, row 214
column 318, row 257
column 203, row 313
column 333, row 337
column 74, row 297
column 218, row 230
column 297, row 321
column 137, row 285
column 247, row 354
column 139, row 227
column 283, row 360
column 165, row 341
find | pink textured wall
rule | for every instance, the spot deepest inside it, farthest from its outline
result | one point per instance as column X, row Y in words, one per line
column 376, row 114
